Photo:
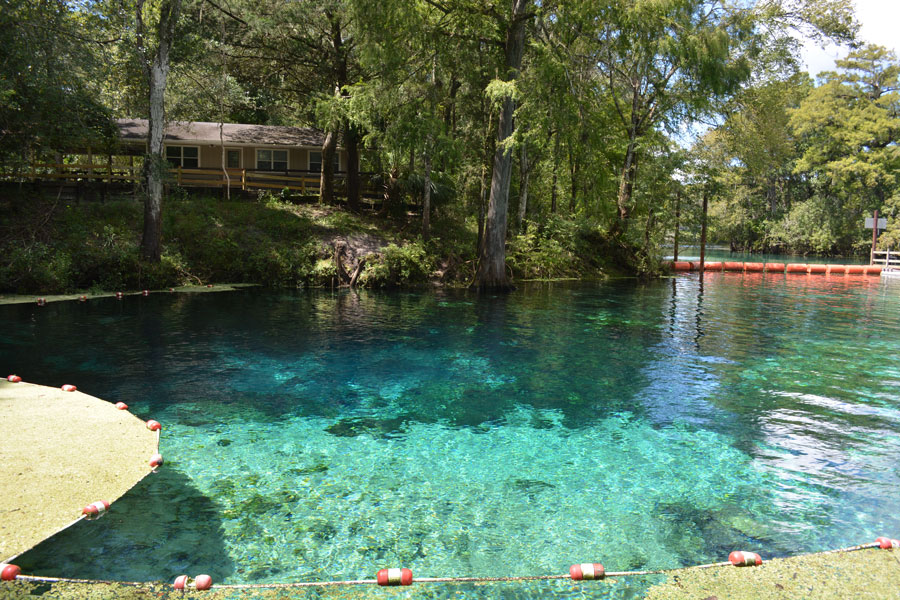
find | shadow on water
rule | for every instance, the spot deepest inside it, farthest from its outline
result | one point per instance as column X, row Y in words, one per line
column 161, row 528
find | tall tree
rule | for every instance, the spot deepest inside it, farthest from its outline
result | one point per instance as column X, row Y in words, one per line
column 155, row 58
column 491, row 274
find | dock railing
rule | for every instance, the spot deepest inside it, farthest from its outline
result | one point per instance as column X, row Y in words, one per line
column 889, row 259
column 305, row 182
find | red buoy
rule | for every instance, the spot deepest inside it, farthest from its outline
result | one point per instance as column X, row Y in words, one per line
column 886, row 543
column 14, row 379
column 9, row 572
column 797, row 268
column 119, row 295
column 394, row 577
column 121, row 406
column 83, row 298
column 209, row 285
column 153, row 425
column 146, row 292
column 587, row 571
column 744, row 559
column 171, row 289
column 203, row 582
column 820, row 269
column 68, row 388
column 753, row 267
column 95, row 510
column 41, row 302
column 156, row 460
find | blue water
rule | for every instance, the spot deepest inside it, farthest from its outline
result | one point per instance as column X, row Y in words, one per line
column 318, row 435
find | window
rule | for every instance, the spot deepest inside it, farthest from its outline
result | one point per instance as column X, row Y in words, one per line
column 315, row 161
column 183, row 156
column 272, row 160
column 233, row 159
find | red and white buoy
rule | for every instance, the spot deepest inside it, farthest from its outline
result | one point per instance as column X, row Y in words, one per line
column 201, row 582
column 146, row 292
column 119, row 295
column 886, row 543
column 9, row 572
column 14, row 379
column 83, row 298
column 68, row 387
column 156, row 460
column 171, row 289
column 41, row 302
column 121, row 406
column 153, row 425
column 587, row 571
column 394, row 577
column 744, row 559
column 96, row 509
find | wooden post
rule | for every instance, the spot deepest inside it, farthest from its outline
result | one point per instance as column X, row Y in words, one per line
column 677, row 222
column 703, row 233
column 179, row 175
column 243, row 180
column 874, row 237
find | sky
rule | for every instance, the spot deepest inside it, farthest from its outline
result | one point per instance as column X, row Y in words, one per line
column 880, row 22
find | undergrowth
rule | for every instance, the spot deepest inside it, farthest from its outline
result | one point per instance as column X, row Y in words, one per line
column 51, row 246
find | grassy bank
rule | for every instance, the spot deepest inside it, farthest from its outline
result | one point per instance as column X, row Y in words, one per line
column 54, row 247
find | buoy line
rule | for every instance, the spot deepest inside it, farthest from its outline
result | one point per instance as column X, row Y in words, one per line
column 404, row 577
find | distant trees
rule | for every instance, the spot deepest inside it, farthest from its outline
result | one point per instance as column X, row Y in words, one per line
column 49, row 98
column 801, row 166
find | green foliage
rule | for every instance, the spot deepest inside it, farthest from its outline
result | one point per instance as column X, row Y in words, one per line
column 406, row 265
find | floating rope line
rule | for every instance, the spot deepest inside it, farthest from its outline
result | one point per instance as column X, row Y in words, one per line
column 404, row 577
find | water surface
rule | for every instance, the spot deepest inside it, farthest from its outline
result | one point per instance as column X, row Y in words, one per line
column 317, row 435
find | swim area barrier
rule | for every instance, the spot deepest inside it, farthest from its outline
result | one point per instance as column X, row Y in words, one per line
column 774, row 267
column 404, row 577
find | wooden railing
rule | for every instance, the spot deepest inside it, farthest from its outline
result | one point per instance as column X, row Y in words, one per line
column 886, row 258
column 306, row 183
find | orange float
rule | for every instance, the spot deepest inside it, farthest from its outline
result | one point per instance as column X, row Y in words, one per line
column 796, row 268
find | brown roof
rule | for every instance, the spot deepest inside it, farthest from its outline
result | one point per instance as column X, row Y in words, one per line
column 233, row 133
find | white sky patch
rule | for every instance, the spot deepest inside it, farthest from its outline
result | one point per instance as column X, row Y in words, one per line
column 879, row 20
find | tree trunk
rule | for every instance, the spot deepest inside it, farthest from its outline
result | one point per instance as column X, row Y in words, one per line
column 553, row 192
column 351, row 140
column 482, row 198
column 678, row 223
column 573, row 180
column 525, row 171
column 626, row 185
column 157, row 71
column 491, row 273
column 326, row 178
column 426, row 192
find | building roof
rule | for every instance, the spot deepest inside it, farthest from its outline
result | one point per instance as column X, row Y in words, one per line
column 201, row 132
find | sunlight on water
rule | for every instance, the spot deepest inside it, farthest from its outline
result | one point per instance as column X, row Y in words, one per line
column 314, row 436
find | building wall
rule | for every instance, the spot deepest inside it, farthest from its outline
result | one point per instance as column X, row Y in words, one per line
column 298, row 158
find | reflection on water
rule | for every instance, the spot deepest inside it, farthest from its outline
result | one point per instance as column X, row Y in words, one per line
column 318, row 435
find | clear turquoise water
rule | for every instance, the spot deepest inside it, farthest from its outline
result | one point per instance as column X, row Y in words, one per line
column 318, row 435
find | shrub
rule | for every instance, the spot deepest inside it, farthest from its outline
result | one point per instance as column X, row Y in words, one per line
column 398, row 265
